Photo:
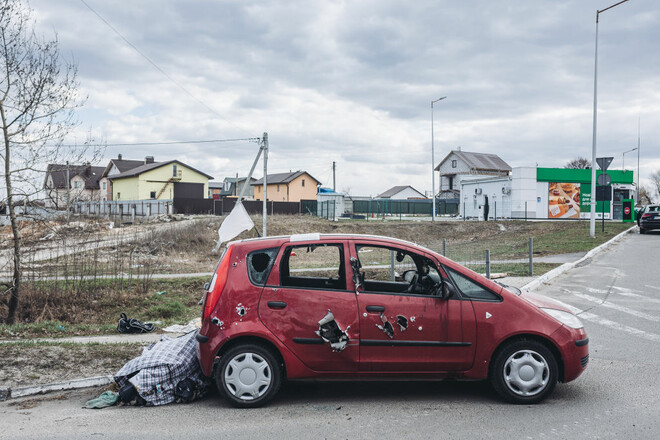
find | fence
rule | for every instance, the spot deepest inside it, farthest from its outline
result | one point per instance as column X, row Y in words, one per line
column 150, row 208
column 124, row 208
column 404, row 207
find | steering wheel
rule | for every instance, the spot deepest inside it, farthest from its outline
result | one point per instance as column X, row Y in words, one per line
column 411, row 276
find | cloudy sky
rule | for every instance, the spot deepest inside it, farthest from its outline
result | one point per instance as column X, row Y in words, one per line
column 352, row 82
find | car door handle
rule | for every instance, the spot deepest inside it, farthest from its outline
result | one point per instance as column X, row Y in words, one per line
column 276, row 304
column 375, row 309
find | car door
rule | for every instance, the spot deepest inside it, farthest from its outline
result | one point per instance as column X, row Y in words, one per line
column 404, row 328
column 307, row 306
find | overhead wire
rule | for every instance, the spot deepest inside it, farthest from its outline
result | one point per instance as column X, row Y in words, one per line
column 150, row 61
column 128, row 144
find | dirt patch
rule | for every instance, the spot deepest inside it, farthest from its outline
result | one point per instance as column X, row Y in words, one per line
column 40, row 363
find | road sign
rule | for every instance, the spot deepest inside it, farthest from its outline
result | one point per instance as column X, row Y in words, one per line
column 604, row 162
column 628, row 213
column 604, row 179
column 604, row 193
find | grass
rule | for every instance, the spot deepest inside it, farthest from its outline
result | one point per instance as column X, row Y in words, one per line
column 48, row 313
column 92, row 306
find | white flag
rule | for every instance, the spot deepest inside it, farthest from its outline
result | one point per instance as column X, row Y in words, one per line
column 236, row 222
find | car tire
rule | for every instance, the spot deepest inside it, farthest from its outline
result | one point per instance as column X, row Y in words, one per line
column 642, row 231
column 248, row 376
column 524, row 372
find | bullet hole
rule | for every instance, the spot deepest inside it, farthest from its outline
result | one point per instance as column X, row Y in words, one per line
column 330, row 332
column 241, row 310
column 386, row 327
column 403, row 322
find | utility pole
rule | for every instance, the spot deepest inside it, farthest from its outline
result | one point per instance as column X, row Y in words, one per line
column 334, row 181
column 68, row 193
column 265, row 205
column 433, row 161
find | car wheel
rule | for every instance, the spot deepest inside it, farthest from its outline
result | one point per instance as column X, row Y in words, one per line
column 524, row 372
column 248, row 376
column 642, row 230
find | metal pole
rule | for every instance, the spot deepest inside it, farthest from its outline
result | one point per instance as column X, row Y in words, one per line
column 433, row 160
column 488, row 263
column 444, row 247
column 592, row 219
column 531, row 256
column 247, row 180
column 638, row 147
column 265, row 205
column 592, row 215
column 334, row 181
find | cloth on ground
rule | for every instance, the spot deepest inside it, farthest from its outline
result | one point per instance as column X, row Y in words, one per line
column 107, row 398
column 161, row 367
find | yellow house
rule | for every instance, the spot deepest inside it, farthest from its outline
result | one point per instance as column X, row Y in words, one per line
column 160, row 180
column 287, row 187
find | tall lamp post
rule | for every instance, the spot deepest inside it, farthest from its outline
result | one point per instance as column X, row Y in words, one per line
column 592, row 219
column 623, row 158
column 433, row 160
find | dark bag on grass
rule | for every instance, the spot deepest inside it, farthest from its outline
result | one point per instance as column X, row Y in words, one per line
column 133, row 325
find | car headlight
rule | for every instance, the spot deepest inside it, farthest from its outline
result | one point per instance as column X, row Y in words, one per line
column 565, row 318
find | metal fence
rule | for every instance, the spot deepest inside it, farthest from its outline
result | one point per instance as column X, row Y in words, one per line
column 124, row 208
column 389, row 207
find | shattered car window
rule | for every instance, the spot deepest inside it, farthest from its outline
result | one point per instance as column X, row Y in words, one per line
column 469, row 288
column 259, row 264
column 317, row 266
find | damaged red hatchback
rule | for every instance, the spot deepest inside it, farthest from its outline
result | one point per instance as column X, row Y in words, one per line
column 359, row 306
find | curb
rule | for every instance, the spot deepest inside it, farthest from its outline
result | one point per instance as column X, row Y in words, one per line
column 8, row 393
column 567, row 266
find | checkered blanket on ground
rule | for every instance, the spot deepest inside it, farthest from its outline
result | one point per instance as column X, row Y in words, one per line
column 156, row 372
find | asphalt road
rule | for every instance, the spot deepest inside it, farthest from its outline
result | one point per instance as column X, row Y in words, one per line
column 618, row 396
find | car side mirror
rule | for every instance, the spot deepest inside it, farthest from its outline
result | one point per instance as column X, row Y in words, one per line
column 445, row 290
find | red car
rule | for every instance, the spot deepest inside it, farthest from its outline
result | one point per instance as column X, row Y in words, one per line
column 358, row 306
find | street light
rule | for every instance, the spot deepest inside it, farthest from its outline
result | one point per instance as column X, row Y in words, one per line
column 623, row 158
column 592, row 220
column 433, row 160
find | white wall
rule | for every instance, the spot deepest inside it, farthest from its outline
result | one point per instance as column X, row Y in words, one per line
column 474, row 192
column 524, row 190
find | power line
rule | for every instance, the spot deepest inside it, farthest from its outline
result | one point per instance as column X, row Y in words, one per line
column 128, row 144
column 156, row 66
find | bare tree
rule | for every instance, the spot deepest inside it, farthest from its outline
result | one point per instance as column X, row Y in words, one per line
column 645, row 197
column 38, row 96
column 655, row 182
column 581, row 163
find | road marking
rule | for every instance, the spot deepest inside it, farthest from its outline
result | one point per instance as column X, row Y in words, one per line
column 615, row 325
column 607, row 323
column 623, row 309
column 652, row 287
column 627, row 292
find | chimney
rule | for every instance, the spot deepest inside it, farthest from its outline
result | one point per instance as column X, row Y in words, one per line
column 119, row 157
column 148, row 159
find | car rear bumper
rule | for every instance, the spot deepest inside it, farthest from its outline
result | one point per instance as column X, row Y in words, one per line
column 649, row 224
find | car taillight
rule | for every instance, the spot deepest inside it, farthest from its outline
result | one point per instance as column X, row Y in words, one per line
column 646, row 216
column 217, row 287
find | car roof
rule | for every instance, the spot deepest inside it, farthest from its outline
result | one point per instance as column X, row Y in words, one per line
column 317, row 236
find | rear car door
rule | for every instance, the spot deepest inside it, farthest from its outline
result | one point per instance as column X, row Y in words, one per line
column 404, row 325
column 307, row 306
